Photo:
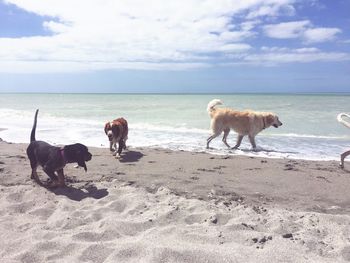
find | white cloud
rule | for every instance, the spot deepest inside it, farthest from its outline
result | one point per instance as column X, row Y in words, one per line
column 55, row 27
column 276, row 8
column 76, row 66
column 301, row 29
column 286, row 30
column 272, row 56
column 320, row 34
column 235, row 47
column 138, row 34
column 285, row 49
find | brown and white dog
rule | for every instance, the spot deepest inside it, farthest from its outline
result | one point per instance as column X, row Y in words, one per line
column 346, row 124
column 243, row 122
column 117, row 132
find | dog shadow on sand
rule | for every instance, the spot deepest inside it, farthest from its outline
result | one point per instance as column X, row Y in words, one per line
column 78, row 194
column 346, row 169
column 131, row 156
column 89, row 190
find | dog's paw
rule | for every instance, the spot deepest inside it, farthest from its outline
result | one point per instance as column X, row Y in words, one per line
column 257, row 149
column 341, row 165
column 56, row 183
column 117, row 156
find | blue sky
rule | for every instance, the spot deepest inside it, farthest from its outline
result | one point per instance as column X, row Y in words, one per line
column 175, row 46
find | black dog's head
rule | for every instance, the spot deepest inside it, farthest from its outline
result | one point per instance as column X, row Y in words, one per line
column 78, row 153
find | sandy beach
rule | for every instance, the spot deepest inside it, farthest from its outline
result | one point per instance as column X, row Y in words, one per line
column 156, row 205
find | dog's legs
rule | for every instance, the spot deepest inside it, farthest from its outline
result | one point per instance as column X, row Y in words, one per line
column 211, row 138
column 50, row 173
column 342, row 157
column 125, row 142
column 239, row 141
column 35, row 176
column 111, row 146
column 121, row 145
column 252, row 141
column 61, row 181
column 224, row 138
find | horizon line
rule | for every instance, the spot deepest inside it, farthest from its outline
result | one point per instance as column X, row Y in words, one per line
column 183, row 93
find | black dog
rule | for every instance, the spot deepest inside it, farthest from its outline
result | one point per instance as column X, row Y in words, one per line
column 54, row 159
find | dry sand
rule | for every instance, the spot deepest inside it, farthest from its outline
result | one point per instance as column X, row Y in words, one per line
column 156, row 205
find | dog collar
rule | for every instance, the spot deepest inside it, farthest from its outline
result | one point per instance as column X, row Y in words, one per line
column 63, row 157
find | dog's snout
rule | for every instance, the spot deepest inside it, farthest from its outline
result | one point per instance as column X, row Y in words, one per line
column 88, row 157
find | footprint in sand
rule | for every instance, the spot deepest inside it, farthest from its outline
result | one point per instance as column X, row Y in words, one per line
column 29, row 257
column 21, row 208
column 219, row 167
column 117, row 206
column 63, row 252
column 15, row 197
column 206, row 170
column 195, row 219
column 96, row 253
column 126, row 254
column 47, row 246
column 346, row 253
column 106, row 235
column 290, row 167
column 43, row 213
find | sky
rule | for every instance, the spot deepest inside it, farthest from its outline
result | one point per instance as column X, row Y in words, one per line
column 187, row 46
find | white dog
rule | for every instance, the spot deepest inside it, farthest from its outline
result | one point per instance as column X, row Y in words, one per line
column 347, row 124
column 243, row 122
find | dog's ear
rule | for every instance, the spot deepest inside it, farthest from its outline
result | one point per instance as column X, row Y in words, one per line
column 269, row 118
column 83, row 156
column 82, row 163
column 107, row 127
column 81, row 159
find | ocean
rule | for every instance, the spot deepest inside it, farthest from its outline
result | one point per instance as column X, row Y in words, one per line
column 180, row 121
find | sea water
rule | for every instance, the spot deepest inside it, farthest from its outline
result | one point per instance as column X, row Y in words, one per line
column 180, row 121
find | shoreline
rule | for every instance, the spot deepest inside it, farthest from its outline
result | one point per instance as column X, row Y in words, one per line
column 245, row 177
column 160, row 205
column 241, row 152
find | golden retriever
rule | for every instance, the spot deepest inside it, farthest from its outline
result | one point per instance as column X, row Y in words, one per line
column 347, row 124
column 243, row 122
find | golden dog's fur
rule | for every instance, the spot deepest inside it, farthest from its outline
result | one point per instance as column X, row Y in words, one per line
column 243, row 122
column 347, row 124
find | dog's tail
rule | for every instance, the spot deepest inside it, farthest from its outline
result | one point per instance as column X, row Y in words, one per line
column 212, row 104
column 342, row 121
column 32, row 135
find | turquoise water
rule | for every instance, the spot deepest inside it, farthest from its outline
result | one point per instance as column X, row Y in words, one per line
column 309, row 131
